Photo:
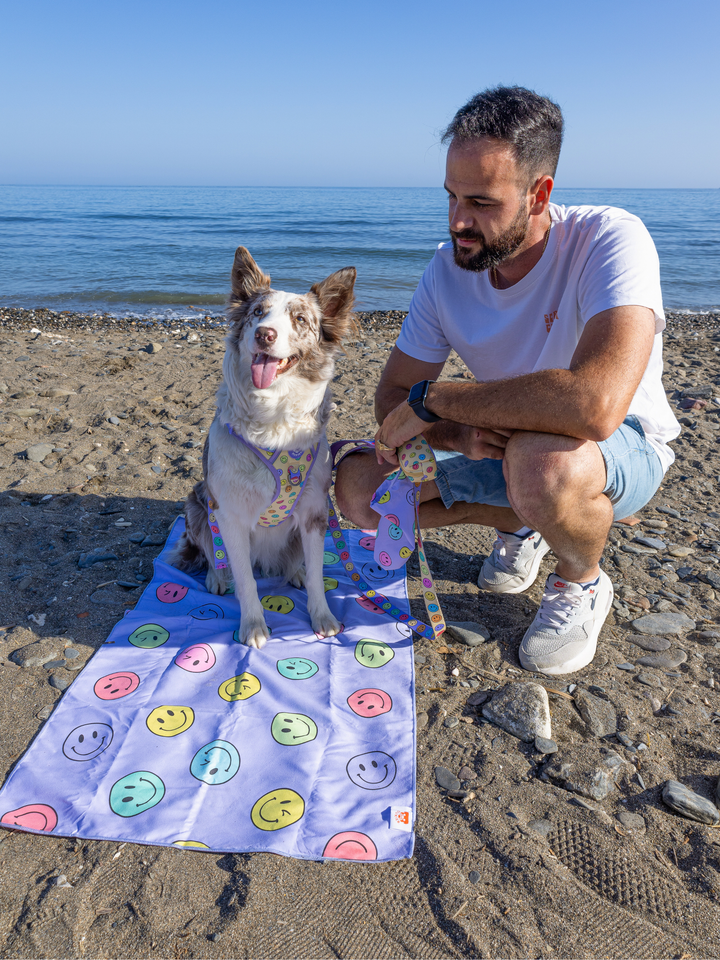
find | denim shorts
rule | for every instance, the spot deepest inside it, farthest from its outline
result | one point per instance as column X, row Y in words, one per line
column 634, row 473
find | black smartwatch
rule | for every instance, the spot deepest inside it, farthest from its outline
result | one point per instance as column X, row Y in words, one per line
column 416, row 399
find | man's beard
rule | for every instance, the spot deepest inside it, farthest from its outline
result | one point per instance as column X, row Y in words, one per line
column 491, row 254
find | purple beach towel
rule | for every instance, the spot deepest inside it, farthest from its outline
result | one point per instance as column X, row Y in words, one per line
column 177, row 734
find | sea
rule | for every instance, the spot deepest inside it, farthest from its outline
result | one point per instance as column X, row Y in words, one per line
column 166, row 252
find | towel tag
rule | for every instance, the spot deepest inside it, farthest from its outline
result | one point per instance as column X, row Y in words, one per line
column 401, row 819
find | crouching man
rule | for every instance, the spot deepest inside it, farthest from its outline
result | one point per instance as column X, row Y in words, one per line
column 557, row 312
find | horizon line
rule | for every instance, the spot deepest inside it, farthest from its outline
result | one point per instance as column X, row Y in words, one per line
column 208, row 186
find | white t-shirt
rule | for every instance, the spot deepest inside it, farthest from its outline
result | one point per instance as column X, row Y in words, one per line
column 596, row 258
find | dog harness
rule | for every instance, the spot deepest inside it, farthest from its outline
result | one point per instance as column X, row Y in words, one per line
column 291, row 470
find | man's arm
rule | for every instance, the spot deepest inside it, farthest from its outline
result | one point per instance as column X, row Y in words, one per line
column 400, row 373
column 588, row 401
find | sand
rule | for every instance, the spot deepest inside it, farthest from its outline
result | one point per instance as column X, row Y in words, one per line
column 514, row 864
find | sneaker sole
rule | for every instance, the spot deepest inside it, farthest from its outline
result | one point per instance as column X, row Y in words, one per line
column 584, row 657
column 541, row 552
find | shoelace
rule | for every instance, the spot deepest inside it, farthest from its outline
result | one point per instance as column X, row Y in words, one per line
column 507, row 553
column 555, row 609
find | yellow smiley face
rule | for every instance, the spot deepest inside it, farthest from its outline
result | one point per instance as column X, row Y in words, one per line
column 385, row 497
column 190, row 845
column 405, row 552
column 278, row 604
column 169, row 721
column 239, row 688
column 277, row 809
column 330, row 583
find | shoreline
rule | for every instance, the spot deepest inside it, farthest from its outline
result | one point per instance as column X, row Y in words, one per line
column 20, row 318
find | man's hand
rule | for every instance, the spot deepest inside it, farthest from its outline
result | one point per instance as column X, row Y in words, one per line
column 400, row 425
column 478, row 444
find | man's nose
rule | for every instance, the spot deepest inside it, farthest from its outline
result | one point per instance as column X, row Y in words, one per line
column 265, row 335
column 460, row 218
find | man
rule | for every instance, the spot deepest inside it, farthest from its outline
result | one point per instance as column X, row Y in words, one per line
column 557, row 312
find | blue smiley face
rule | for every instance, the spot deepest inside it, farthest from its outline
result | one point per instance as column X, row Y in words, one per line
column 216, row 762
column 297, row 668
column 373, row 571
column 207, row 611
column 394, row 531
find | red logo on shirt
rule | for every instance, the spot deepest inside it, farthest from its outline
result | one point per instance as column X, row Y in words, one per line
column 549, row 318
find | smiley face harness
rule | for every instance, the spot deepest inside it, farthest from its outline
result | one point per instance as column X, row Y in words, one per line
column 291, row 470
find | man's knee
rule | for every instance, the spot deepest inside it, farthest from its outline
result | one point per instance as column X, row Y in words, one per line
column 353, row 491
column 544, row 471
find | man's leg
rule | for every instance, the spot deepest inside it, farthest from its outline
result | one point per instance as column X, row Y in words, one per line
column 359, row 475
column 556, row 486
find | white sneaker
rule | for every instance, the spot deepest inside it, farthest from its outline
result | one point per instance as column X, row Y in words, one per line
column 563, row 636
column 514, row 563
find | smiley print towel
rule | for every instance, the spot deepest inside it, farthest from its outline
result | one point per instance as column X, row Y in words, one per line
column 176, row 734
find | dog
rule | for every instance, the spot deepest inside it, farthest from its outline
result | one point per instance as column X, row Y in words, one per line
column 266, row 461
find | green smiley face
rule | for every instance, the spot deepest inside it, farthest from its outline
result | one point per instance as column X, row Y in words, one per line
column 291, row 729
column 278, row 604
column 149, row 635
column 373, row 653
column 136, row 793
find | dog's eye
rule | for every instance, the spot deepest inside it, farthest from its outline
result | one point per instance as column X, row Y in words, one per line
column 301, row 320
column 258, row 311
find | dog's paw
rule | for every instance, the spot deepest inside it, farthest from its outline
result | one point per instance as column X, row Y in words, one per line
column 214, row 583
column 254, row 633
column 325, row 625
column 298, row 578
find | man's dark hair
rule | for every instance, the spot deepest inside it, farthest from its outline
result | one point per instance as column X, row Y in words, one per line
column 532, row 125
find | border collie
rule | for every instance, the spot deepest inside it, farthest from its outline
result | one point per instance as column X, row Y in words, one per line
column 266, row 460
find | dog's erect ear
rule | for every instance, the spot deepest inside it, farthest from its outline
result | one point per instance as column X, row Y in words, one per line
column 336, row 302
column 247, row 277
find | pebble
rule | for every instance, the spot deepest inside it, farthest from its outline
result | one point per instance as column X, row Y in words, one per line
column 663, row 661
column 669, row 512
column 450, row 722
column 467, row 632
column 625, row 666
column 663, row 623
column 38, row 451
column 466, row 773
column 650, row 680
column 59, row 682
column 39, row 653
column 156, row 468
column 522, row 709
column 477, row 699
column 599, row 715
column 688, row 803
column 61, row 881
column 446, row 779
column 712, row 578
column 588, row 770
column 638, row 551
column 45, row 712
column 152, row 348
column 422, row 720
column 677, row 550
column 71, row 654
column 57, row 392
column 632, row 821
column 545, row 745
column 215, row 937
column 114, row 421
column 473, row 876
column 542, row 827
column 97, row 556
column 654, row 644
column 53, row 664
column 652, row 542
column 25, row 411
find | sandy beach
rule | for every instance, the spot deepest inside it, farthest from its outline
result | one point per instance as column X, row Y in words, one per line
column 519, row 853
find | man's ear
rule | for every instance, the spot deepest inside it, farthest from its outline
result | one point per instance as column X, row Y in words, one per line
column 336, row 298
column 247, row 277
column 540, row 195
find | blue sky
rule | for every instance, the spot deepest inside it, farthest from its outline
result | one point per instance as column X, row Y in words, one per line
column 229, row 92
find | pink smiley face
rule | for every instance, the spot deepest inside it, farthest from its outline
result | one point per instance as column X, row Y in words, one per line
column 171, row 592
column 33, row 816
column 116, row 685
column 196, row 659
column 391, row 518
column 368, row 604
column 368, row 543
column 370, row 702
column 350, row 845
column 385, row 558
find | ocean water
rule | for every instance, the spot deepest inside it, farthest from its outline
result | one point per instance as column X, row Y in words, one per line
column 167, row 251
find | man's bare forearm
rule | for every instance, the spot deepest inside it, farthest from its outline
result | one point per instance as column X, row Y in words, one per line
column 443, row 435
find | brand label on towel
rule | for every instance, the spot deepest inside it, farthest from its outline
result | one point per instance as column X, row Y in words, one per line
column 401, row 818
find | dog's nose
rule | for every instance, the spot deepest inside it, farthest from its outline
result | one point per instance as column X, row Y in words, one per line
column 266, row 335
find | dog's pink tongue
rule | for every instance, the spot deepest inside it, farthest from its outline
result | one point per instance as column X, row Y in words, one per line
column 264, row 370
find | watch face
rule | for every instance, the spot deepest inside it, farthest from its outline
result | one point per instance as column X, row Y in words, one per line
column 417, row 392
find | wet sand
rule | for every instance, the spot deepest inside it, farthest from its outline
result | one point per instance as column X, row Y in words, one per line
column 520, row 858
